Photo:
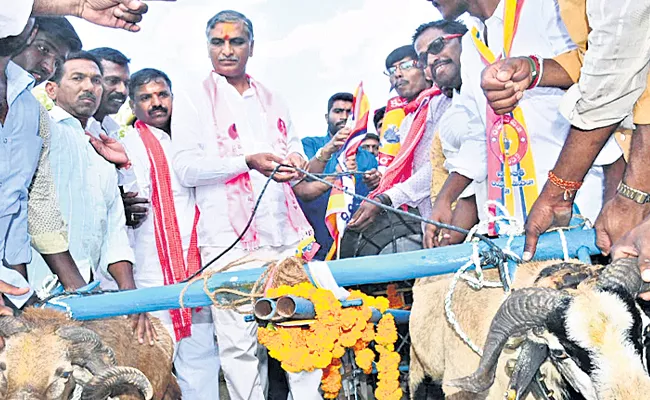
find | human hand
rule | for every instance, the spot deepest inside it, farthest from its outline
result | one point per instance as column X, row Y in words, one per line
column 336, row 142
column 504, row 83
column 617, row 217
column 6, row 288
column 636, row 243
column 464, row 215
column 110, row 149
column 135, row 213
column 143, row 328
column 122, row 14
column 265, row 164
column 432, row 234
column 549, row 211
column 296, row 160
column 372, row 178
column 364, row 217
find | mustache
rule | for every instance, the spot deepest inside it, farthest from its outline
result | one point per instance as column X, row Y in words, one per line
column 117, row 96
column 157, row 108
column 399, row 82
column 87, row 95
column 437, row 64
column 231, row 58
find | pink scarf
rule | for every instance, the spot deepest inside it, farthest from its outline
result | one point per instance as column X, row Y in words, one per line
column 240, row 196
column 166, row 230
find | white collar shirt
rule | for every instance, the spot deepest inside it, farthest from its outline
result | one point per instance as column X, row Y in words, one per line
column 148, row 271
column 416, row 191
column 90, row 201
column 199, row 165
column 463, row 129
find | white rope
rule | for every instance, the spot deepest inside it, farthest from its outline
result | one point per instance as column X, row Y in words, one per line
column 512, row 229
column 451, row 317
column 49, row 284
column 565, row 245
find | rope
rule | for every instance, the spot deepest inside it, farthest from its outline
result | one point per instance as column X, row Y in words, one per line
column 514, row 228
column 289, row 271
column 497, row 252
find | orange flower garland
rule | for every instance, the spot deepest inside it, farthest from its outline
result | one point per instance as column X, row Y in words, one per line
column 323, row 342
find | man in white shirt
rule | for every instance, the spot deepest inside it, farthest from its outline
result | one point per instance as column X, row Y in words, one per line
column 86, row 183
column 196, row 359
column 115, row 82
column 531, row 147
column 230, row 133
column 408, row 179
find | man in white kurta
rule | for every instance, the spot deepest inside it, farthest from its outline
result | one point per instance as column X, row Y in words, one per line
column 196, row 359
column 463, row 128
column 230, row 133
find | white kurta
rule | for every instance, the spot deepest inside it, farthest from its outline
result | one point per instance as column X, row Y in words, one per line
column 199, row 165
column 196, row 358
column 462, row 130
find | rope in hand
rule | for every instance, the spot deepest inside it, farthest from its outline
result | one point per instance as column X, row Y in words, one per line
column 494, row 255
column 513, row 229
column 319, row 177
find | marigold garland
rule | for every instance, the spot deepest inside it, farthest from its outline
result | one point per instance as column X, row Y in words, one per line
column 323, row 343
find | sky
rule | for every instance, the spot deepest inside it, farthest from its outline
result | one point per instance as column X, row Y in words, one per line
column 305, row 50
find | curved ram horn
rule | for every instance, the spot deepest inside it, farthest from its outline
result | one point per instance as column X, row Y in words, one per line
column 87, row 349
column 114, row 382
column 623, row 273
column 523, row 310
column 11, row 325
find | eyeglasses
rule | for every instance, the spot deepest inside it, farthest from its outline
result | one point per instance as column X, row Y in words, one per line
column 436, row 47
column 403, row 66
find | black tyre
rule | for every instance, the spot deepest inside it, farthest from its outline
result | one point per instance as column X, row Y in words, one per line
column 390, row 233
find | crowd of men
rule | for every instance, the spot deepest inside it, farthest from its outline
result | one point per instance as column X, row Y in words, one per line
column 511, row 114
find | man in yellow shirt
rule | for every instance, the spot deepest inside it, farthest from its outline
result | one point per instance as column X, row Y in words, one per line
column 594, row 119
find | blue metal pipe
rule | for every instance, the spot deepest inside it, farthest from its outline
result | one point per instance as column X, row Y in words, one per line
column 354, row 271
column 265, row 309
column 294, row 307
column 583, row 255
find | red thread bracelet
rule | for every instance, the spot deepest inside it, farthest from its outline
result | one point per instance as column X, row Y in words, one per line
column 567, row 186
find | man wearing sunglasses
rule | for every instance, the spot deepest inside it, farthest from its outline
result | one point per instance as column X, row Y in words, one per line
column 438, row 45
column 509, row 159
column 407, row 180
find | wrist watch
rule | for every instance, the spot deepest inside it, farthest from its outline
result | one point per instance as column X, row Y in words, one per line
column 635, row 195
column 319, row 156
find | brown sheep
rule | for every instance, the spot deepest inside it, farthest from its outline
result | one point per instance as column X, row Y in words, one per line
column 46, row 354
column 584, row 318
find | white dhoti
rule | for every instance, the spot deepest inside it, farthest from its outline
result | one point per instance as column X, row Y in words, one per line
column 196, row 358
column 242, row 358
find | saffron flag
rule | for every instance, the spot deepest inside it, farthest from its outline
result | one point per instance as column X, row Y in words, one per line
column 339, row 206
column 389, row 135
